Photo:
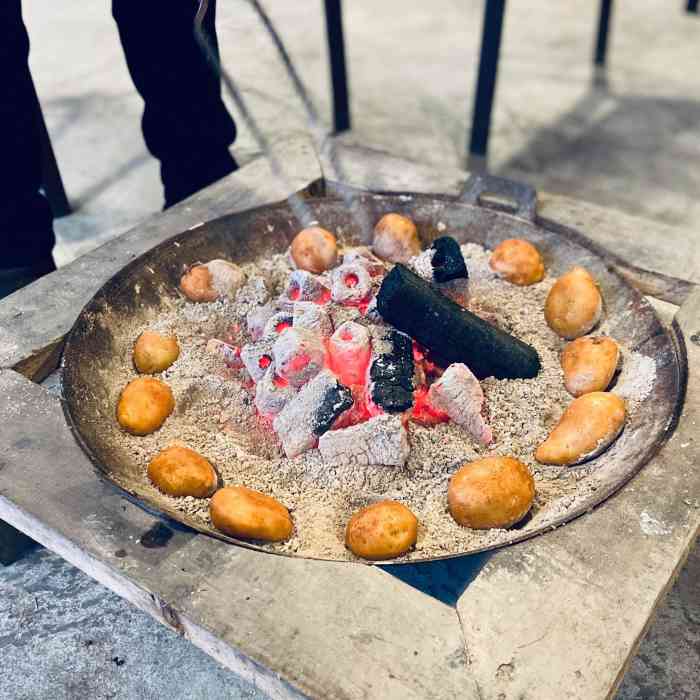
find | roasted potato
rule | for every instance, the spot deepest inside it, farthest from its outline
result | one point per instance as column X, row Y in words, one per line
column 314, row 250
column 144, row 404
column 242, row 512
column 180, row 471
column 517, row 261
column 574, row 305
column 154, row 352
column 493, row 492
column 588, row 427
column 383, row 530
column 396, row 238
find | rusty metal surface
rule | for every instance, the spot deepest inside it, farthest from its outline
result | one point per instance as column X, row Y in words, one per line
column 256, row 233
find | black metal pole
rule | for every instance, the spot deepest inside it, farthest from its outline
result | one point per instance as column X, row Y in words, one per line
column 692, row 6
column 486, row 82
column 601, row 46
column 339, row 78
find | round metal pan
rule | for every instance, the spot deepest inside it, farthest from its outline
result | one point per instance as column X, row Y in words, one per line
column 140, row 288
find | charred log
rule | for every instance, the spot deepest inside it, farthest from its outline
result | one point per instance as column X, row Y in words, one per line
column 452, row 333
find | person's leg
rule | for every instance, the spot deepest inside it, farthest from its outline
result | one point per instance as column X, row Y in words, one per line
column 26, row 223
column 185, row 123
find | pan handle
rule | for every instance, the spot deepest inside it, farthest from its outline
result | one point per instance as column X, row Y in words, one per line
column 524, row 197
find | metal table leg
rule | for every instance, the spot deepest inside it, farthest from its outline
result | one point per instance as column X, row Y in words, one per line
column 339, row 79
column 601, row 46
column 486, row 83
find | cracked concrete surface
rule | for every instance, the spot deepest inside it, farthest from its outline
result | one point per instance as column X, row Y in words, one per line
column 633, row 145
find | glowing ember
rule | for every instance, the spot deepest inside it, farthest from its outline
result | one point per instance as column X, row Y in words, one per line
column 349, row 352
column 423, row 411
column 280, row 382
column 264, row 362
column 357, row 386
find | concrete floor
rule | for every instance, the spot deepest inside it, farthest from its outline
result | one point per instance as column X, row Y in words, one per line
column 634, row 145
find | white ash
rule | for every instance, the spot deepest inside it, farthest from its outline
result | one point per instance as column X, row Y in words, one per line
column 226, row 277
column 312, row 317
column 362, row 255
column 257, row 318
column 302, row 286
column 270, row 396
column 253, row 354
column 381, row 440
column 340, row 314
column 636, row 379
column 422, row 264
column 296, row 422
column 253, row 293
column 281, row 318
column 344, row 293
column 458, row 393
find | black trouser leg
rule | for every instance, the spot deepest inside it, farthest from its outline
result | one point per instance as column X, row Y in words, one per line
column 26, row 223
column 185, row 123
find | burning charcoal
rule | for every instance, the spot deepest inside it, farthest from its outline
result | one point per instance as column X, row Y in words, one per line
column 458, row 393
column 448, row 261
column 311, row 412
column 350, row 284
column 391, row 372
column 230, row 353
column 450, row 332
column 349, row 349
column 372, row 313
column 272, row 393
column 257, row 357
column 257, row 318
column 303, row 286
column 277, row 323
column 380, row 440
column 362, row 255
column 312, row 317
column 298, row 355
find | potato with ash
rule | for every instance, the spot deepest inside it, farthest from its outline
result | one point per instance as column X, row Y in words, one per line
column 212, row 281
column 154, row 352
column 589, row 364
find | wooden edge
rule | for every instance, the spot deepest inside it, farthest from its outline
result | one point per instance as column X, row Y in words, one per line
column 528, row 589
column 687, row 327
column 252, row 672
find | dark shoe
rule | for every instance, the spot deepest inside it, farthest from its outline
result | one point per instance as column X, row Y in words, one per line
column 14, row 278
column 183, row 178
